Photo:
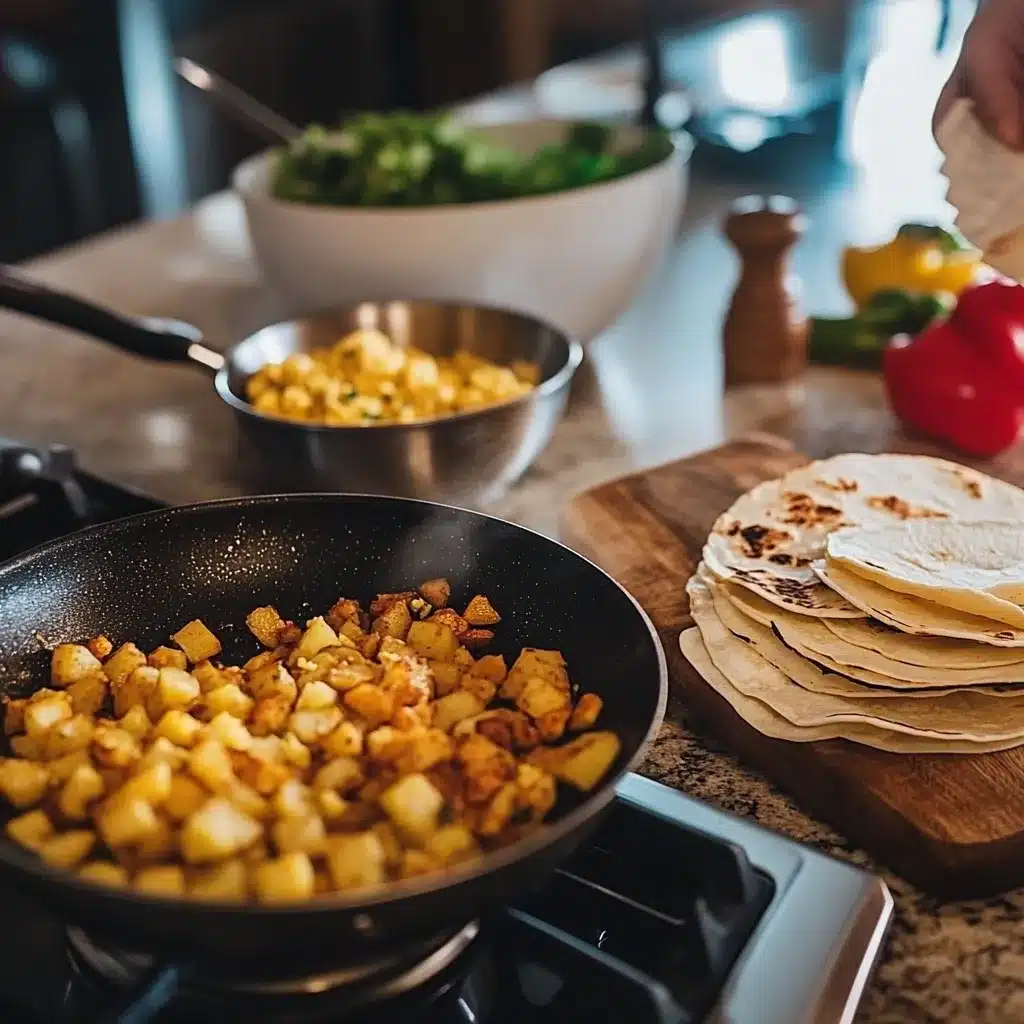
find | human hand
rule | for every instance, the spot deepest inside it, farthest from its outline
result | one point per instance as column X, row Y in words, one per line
column 990, row 72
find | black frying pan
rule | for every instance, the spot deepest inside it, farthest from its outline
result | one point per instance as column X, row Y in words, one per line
column 143, row 577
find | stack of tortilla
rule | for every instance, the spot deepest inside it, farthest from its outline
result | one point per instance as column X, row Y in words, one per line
column 878, row 599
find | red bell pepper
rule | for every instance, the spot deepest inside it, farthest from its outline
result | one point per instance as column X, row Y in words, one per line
column 962, row 380
column 990, row 318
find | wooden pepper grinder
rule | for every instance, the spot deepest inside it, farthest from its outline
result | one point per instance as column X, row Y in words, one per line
column 765, row 334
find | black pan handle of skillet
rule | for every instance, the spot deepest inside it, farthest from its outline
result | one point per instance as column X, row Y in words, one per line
column 169, row 341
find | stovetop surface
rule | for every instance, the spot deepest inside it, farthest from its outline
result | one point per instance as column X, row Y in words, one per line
column 674, row 912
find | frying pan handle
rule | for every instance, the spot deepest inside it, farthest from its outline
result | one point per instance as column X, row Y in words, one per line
column 169, row 341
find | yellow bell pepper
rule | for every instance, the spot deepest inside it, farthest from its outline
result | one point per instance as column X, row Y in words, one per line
column 921, row 258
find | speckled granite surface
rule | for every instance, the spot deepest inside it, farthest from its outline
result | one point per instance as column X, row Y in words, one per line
column 948, row 963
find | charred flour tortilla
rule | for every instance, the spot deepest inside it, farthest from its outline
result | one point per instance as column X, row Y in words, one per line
column 963, row 715
column 974, row 567
column 913, row 615
column 872, row 665
column 768, row 539
column 761, row 717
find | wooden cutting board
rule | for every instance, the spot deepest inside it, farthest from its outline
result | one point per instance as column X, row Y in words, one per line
column 953, row 825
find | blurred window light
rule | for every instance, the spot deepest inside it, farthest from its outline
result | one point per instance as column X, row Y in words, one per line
column 754, row 65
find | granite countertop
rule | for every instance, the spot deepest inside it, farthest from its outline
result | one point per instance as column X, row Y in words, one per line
column 651, row 391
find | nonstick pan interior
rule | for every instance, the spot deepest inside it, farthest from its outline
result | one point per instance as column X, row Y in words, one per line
column 142, row 578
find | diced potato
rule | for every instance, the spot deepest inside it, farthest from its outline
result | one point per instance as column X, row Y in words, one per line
column 586, row 712
column 32, row 748
column 230, row 699
column 285, row 879
column 385, row 743
column 413, row 804
column 31, row 829
column 453, row 620
column 424, row 750
column 83, row 787
column 480, row 612
column 345, row 740
column 370, row 702
column 536, row 791
column 451, row 844
column 295, row 752
column 162, row 880
column 136, row 722
column 14, row 715
column 62, row 768
column 438, row 592
column 293, row 799
column 163, row 751
column 264, row 774
column 167, row 657
column 534, row 663
column 490, row 667
column 483, row 689
column 270, row 715
column 137, row 689
column 113, row 747
column 446, row 676
column 351, row 673
column 343, row 774
column 476, row 638
column 302, row 833
column 210, row 763
column 355, row 860
column 185, row 798
column 178, row 689
column 265, row 623
column 450, row 710
column 23, row 783
column 179, row 727
column 415, row 863
column 390, row 841
column 71, row 662
column 247, row 800
column 100, row 647
column 584, row 761
column 312, row 726
column 74, row 733
column 123, row 821
column 88, row 694
column 104, row 872
column 42, row 715
column 551, row 725
column 198, row 643
column 230, row 731
column 394, row 621
column 67, row 849
column 485, row 767
column 498, row 812
column 123, row 662
column 316, row 696
column 216, row 831
column 331, row 806
column 348, row 629
column 538, row 696
column 161, row 845
column 209, row 676
column 432, row 640
column 226, row 881
column 317, row 636
column 272, row 680
column 152, row 784
column 382, row 602
column 370, row 645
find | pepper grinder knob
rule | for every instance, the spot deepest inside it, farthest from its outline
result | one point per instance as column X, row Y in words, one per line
column 765, row 334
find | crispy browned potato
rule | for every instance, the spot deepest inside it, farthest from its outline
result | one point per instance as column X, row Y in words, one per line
column 342, row 755
column 438, row 592
column 480, row 612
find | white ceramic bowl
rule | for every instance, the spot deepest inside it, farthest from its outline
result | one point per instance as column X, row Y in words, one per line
column 574, row 259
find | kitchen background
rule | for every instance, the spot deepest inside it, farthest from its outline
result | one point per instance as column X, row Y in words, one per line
column 95, row 131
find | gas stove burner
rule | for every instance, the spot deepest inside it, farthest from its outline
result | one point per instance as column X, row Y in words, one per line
column 390, row 974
